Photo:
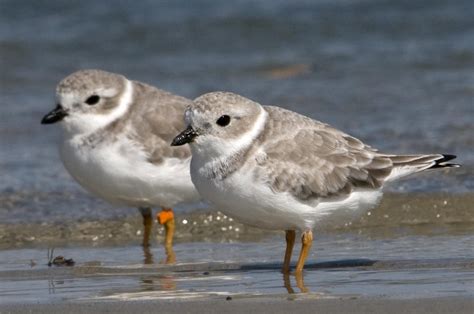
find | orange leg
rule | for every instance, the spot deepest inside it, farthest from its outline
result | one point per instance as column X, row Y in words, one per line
column 166, row 218
column 307, row 241
column 147, row 225
column 290, row 242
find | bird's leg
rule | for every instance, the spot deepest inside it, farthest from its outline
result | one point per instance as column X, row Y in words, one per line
column 166, row 218
column 147, row 224
column 290, row 242
column 170, row 255
column 307, row 241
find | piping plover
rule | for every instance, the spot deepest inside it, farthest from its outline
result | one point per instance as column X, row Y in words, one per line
column 276, row 169
column 116, row 143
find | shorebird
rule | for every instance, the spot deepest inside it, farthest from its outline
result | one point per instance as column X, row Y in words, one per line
column 276, row 169
column 116, row 144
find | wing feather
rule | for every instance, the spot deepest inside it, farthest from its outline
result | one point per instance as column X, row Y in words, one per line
column 314, row 160
column 160, row 118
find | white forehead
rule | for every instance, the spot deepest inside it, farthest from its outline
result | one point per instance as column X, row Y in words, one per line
column 85, row 83
column 212, row 105
column 74, row 94
column 188, row 116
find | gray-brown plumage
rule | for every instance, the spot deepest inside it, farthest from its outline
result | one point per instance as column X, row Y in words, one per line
column 156, row 116
column 321, row 161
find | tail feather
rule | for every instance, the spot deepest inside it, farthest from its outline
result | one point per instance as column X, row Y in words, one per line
column 404, row 165
column 442, row 163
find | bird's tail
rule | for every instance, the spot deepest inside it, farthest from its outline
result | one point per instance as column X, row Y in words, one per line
column 404, row 165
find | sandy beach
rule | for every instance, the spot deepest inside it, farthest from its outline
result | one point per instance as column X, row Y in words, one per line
column 415, row 262
column 258, row 305
column 214, row 287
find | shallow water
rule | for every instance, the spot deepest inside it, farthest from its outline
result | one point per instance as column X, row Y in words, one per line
column 424, row 251
column 353, row 267
column 397, row 74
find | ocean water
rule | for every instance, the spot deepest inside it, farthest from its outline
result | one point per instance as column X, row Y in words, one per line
column 397, row 74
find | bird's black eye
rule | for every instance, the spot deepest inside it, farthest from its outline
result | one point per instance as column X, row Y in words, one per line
column 92, row 100
column 223, row 120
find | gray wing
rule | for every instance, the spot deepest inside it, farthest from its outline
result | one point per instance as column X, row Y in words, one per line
column 158, row 117
column 310, row 159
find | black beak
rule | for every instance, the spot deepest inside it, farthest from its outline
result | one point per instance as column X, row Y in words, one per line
column 56, row 115
column 187, row 136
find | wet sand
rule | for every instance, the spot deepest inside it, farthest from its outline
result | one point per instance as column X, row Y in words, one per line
column 258, row 305
column 358, row 284
column 411, row 254
column 169, row 299
column 418, row 214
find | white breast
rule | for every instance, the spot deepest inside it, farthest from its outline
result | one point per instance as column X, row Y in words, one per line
column 254, row 203
column 120, row 173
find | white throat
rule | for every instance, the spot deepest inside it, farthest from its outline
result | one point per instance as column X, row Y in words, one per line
column 81, row 124
column 211, row 152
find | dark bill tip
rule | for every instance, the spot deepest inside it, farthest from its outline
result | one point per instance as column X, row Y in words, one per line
column 187, row 136
column 55, row 115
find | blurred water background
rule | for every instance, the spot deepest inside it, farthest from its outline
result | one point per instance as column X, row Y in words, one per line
column 397, row 74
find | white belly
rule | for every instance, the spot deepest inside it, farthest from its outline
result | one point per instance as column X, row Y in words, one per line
column 120, row 174
column 255, row 204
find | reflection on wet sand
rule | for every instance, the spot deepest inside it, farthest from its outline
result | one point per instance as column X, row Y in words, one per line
column 158, row 283
column 299, row 278
column 170, row 255
column 356, row 277
column 167, row 282
column 148, row 258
